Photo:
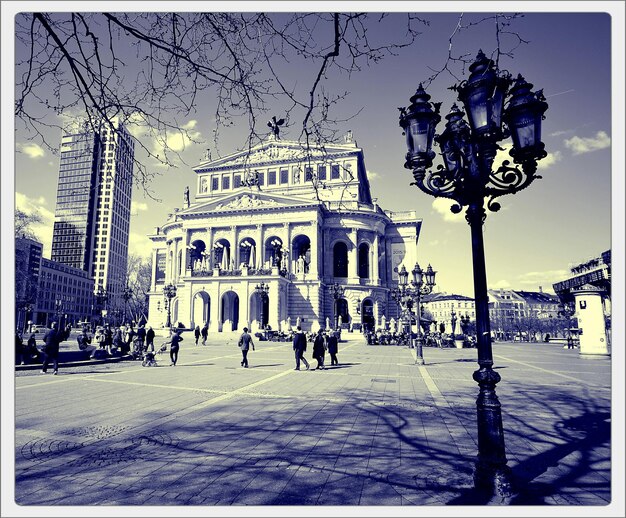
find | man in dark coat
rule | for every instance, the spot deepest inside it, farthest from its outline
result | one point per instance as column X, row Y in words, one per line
column 299, row 346
column 333, row 348
column 150, row 339
column 51, row 349
column 196, row 333
column 141, row 336
column 319, row 349
column 205, row 333
column 245, row 341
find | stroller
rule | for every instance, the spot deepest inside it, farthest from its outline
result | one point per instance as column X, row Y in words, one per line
column 149, row 359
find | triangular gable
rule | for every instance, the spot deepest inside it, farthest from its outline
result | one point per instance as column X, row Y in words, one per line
column 246, row 200
column 273, row 151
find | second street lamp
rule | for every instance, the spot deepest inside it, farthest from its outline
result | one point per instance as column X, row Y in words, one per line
column 169, row 292
column 422, row 284
column 337, row 291
column 467, row 177
column 262, row 289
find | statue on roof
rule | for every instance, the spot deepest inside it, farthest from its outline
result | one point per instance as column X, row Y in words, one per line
column 275, row 125
column 186, row 197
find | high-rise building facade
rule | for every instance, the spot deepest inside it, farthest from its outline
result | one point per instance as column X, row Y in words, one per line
column 92, row 216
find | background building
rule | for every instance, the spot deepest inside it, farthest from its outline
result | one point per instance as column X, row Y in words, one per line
column 27, row 269
column 92, row 216
column 65, row 294
column 296, row 220
column 442, row 305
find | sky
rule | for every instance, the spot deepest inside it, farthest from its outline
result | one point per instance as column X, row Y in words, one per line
column 560, row 220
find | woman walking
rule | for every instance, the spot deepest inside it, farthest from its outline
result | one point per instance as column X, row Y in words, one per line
column 333, row 348
column 174, row 346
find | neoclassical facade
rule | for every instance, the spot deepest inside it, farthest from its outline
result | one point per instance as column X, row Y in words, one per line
column 293, row 220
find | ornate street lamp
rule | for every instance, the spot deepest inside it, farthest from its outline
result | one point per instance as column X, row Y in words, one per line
column 422, row 284
column 337, row 291
column 453, row 322
column 262, row 289
column 127, row 294
column 169, row 292
column 467, row 177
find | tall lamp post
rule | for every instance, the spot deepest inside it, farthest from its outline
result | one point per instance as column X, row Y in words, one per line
column 127, row 294
column 169, row 292
column 467, row 177
column 337, row 291
column 422, row 284
column 101, row 299
column 262, row 289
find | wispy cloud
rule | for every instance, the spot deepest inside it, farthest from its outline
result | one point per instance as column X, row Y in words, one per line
column 372, row 174
column 545, row 163
column 139, row 244
column 550, row 160
column 136, row 206
column 501, row 284
column 580, row 145
column 442, row 206
column 178, row 140
column 32, row 149
column 42, row 230
column 545, row 279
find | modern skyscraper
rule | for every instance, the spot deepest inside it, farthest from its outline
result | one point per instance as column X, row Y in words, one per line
column 94, row 192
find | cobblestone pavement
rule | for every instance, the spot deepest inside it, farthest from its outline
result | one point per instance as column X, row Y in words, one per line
column 374, row 430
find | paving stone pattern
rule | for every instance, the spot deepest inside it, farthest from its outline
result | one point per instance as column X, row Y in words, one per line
column 375, row 430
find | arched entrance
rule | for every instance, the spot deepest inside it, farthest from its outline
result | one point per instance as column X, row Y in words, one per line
column 230, row 311
column 259, row 311
column 364, row 261
column 367, row 315
column 341, row 311
column 201, row 308
column 340, row 259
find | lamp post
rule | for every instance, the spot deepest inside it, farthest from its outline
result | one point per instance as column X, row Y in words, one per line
column 467, row 177
column 337, row 291
column 169, row 292
column 58, row 309
column 127, row 294
column 101, row 299
column 453, row 322
column 262, row 289
column 422, row 284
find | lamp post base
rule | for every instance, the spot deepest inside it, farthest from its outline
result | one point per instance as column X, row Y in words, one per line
column 419, row 356
column 493, row 479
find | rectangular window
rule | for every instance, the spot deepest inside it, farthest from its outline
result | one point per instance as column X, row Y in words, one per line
column 271, row 178
column 237, row 181
column 308, row 174
column 334, row 172
column 215, row 183
column 284, row 176
column 321, row 172
column 261, row 178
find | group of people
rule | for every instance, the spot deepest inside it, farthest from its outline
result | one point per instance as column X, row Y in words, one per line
column 204, row 333
column 324, row 341
column 50, row 350
column 124, row 339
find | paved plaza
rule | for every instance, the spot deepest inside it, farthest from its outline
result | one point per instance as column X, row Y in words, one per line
column 374, row 430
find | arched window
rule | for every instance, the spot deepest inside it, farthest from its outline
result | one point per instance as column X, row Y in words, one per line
column 364, row 261
column 340, row 259
column 248, row 252
column 301, row 253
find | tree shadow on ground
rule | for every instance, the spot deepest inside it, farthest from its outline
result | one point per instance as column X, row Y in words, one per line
column 350, row 446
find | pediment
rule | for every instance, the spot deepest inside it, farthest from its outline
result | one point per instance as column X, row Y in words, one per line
column 275, row 152
column 246, row 201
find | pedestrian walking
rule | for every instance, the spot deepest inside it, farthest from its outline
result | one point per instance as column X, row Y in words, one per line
column 319, row 349
column 141, row 336
column 333, row 347
column 51, row 349
column 174, row 346
column 299, row 346
column 205, row 332
column 570, row 342
column 108, row 338
column 31, row 352
column 245, row 341
column 118, row 340
column 150, row 338
column 196, row 333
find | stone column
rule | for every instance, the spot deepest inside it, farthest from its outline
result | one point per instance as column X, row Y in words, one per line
column 234, row 248
column 287, row 244
column 314, row 237
column 374, row 269
column 260, row 246
column 590, row 315
column 209, row 248
column 274, row 306
column 154, row 269
column 353, row 258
